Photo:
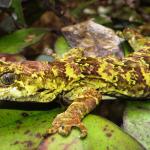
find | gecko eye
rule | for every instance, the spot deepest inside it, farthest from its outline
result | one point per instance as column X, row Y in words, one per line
column 8, row 78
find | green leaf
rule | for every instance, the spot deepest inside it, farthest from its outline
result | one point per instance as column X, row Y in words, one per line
column 61, row 46
column 127, row 49
column 24, row 129
column 102, row 135
column 137, row 121
column 15, row 42
column 16, row 5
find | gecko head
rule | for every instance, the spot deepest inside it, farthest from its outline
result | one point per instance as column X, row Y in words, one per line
column 22, row 81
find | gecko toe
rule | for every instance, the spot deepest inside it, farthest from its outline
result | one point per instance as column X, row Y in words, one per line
column 64, row 129
column 83, row 130
column 52, row 130
column 63, row 124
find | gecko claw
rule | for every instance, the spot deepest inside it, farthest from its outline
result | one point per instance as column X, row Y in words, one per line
column 83, row 130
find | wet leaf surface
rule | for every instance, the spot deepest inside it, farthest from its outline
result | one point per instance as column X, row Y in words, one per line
column 23, row 129
column 15, row 42
column 106, row 136
column 136, row 121
column 20, row 129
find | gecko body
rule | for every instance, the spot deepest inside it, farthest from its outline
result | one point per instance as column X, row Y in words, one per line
column 80, row 80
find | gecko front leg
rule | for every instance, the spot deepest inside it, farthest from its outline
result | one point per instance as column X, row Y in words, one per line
column 83, row 103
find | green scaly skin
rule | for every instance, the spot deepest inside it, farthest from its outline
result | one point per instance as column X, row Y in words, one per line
column 80, row 80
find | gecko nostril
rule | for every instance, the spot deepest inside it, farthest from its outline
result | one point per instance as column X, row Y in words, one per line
column 41, row 90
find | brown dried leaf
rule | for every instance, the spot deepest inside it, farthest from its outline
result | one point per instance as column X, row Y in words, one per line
column 11, row 57
column 49, row 19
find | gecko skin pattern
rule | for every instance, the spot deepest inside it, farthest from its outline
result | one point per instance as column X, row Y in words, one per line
column 80, row 80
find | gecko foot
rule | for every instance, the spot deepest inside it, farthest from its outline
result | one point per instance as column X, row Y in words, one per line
column 63, row 124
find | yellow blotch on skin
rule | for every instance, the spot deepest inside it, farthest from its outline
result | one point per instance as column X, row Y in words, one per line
column 128, row 77
column 70, row 72
column 146, row 76
column 31, row 89
column 55, row 71
column 15, row 92
column 107, row 76
column 21, row 84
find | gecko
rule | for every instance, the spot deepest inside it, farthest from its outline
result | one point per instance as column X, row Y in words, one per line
column 80, row 80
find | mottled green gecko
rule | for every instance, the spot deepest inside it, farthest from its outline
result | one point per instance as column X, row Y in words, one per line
column 80, row 80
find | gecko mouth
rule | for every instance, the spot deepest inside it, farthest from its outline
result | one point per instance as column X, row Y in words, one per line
column 5, row 95
column 31, row 98
column 13, row 94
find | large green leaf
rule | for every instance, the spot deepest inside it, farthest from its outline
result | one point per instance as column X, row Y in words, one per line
column 137, row 121
column 102, row 135
column 23, row 130
column 15, row 42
